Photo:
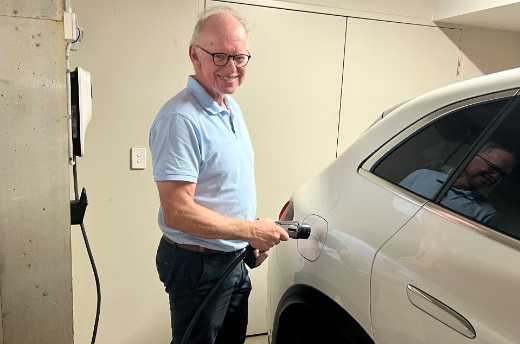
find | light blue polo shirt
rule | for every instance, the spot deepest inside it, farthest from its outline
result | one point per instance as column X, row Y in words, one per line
column 193, row 139
column 468, row 202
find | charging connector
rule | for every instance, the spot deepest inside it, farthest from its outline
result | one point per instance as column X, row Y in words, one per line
column 295, row 229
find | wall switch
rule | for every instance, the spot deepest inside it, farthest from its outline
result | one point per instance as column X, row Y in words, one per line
column 138, row 158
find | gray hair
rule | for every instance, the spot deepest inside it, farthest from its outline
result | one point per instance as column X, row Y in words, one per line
column 217, row 10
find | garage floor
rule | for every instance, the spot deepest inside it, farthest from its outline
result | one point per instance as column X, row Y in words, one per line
column 258, row 339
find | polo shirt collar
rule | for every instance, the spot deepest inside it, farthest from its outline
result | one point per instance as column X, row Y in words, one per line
column 203, row 97
column 470, row 194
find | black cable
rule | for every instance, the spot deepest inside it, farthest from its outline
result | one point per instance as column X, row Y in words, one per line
column 295, row 229
column 208, row 296
column 90, row 256
column 96, row 277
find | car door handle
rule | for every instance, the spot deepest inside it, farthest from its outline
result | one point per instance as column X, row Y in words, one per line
column 440, row 311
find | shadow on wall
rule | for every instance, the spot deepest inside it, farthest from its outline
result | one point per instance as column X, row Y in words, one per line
column 487, row 51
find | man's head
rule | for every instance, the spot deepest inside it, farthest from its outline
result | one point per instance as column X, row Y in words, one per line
column 492, row 163
column 220, row 30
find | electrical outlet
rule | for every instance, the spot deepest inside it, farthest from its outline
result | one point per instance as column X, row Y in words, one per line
column 138, row 158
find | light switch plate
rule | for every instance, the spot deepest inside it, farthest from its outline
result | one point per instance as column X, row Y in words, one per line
column 138, row 159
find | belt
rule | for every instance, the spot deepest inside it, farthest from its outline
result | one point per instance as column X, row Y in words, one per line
column 201, row 249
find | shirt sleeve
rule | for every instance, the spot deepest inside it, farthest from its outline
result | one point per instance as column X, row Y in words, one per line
column 175, row 149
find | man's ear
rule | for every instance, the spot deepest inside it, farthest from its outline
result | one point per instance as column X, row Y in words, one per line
column 194, row 57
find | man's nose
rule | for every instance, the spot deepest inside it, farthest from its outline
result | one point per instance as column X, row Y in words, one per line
column 230, row 65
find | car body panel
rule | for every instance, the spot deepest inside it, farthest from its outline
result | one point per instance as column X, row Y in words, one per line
column 348, row 254
column 470, row 273
column 371, row 254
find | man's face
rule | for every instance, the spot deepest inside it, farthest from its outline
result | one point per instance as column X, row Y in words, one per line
column 222, row 36
column 488, row 167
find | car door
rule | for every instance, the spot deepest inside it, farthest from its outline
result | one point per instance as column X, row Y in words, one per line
column 450, row 274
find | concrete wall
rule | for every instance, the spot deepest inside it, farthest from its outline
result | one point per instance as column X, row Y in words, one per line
column 35, row 253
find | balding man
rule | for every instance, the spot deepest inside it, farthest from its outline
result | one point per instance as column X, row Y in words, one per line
column 203, row 168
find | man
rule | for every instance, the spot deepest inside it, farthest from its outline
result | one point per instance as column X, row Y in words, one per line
column 203, row 167
column 488, row 167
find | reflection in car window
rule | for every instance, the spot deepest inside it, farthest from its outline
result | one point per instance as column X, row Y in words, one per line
column 486, row 169
column 440, row 146
column 486, row 188
column 504, row 194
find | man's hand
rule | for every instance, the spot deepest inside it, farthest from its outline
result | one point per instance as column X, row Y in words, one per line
column 260, row 256
column 266, row 234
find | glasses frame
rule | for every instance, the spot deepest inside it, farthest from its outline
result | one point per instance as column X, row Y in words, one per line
column 229, row 57
column 492, row 168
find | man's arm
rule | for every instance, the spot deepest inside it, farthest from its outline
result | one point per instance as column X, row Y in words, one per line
column 182, row 213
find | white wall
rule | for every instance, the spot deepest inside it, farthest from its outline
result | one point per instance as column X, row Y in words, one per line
column 404, row 8
column 449, row 8
column 138, row 57
column 486, row 51
column 496, row 14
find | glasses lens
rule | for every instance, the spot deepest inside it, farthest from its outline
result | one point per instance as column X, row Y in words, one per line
column 496, row 169
column 220, row 59
column 241, row 60
column 492, row 168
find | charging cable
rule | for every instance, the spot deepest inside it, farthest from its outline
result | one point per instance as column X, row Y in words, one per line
column 295, row 229
column 90, row 256
column 210, row 294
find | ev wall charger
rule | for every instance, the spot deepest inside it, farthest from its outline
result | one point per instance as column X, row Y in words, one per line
column 81, row 107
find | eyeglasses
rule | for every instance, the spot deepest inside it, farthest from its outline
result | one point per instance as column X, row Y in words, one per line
column 222, row 59
column 492, row 168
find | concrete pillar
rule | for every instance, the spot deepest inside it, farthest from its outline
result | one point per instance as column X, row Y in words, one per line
column 35, row 254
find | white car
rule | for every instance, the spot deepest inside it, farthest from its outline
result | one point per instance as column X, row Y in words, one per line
column 415, row 228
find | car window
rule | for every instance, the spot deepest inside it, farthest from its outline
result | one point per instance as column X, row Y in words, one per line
column 504, row 194
column 440, row 146
column 474, row 150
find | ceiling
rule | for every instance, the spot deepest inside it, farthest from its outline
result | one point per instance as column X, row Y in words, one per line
column 506, row 17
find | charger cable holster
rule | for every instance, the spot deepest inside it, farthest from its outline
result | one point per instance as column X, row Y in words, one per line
column 78, row 208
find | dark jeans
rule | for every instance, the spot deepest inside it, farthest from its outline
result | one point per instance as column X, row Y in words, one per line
column 188, row 276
